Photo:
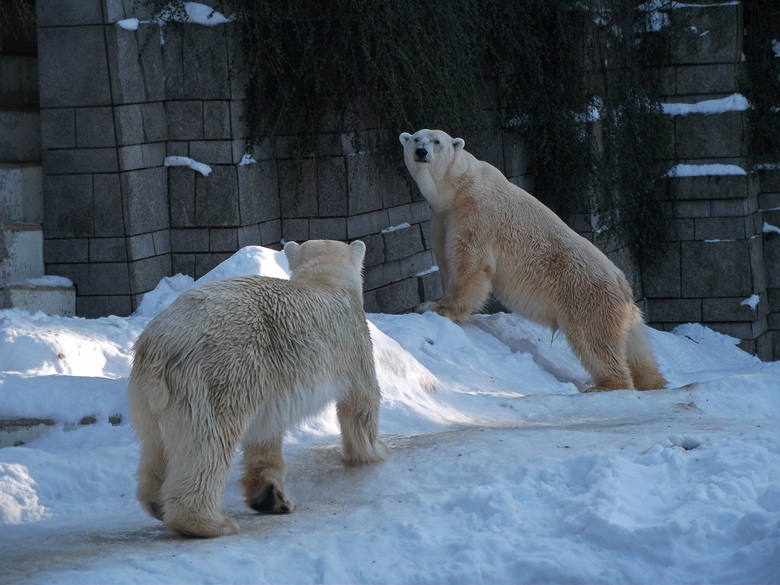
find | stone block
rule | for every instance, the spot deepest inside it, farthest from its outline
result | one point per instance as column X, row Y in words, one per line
column 65, row 251
column 105, row 278
column 430, row 287
column 189, row 240
column 105, row 250
column 716, row 269
column 679, row 230
column 295, row 230
column 625, row 259
column 150, row 58
column 20, row 136
column 674, row 310
column 720, row 228
column 92, row 307
column 692, row 209
column 238, row 126
column 146, row 273
column 21, row 193
column 162, row 242
column 58, row 128
column 367, row 223
column 271, row 233
column 131, row 158
column 298, row 187
column 728, row 309
column 127, row 78
column 699, row 136
column 185, row 120
column 374, row 183
column 332, row 186
column 216, row 198
column 80, row 161
column 771, row 245
column 249, row 235
column 109, row 220
column 730, row 208
column 381, row 274
column 328, row 228
column 375, row 250
column 206, row 71
column 173, row 61
column 702, row 79
column 403, row 242
column 129, row 124
column 69, row 206
column 145, row 200
column 661, row 276
column 738, row 330
column 758, row 266
column 65, row 81
column 412, row 213
column 709, row 187
column 183, row 264
column 216, row 120
column 95, row 127
column 68, row 12
column 398, row 297
column 414, row 264
column 770, row 180
column 140, row 246
column 223, row 240
column 710, row 33
column 212, row 152
column 205, row 263
column 258, row 192
column 19, row 81
column 182, row 196
column 155, row 124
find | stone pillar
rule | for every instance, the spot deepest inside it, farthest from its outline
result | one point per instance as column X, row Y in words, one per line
column 714, row 258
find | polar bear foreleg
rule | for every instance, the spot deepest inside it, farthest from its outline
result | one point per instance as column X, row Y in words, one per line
column 468, row 292
column 264, row 472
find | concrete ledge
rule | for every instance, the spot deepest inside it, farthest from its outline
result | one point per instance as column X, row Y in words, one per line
column 51, row 300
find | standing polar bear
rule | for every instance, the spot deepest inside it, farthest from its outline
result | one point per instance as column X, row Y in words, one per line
column 489, row 234
column 242, row 359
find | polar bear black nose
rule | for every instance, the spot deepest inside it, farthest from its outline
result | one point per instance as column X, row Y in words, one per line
column 420, row 154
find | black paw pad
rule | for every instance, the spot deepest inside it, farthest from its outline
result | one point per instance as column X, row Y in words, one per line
column 271, row 501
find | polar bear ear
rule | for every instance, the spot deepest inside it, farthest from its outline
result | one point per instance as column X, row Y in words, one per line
column 458, row 143
column 357, row 251
column 404, row 137
column 291, row 252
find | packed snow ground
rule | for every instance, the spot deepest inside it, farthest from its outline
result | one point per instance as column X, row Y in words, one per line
column 500, row 469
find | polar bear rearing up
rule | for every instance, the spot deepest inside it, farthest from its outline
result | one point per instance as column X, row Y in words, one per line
column 242, row 359
column 488, row 234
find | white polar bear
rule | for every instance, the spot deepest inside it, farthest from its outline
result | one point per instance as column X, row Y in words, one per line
column 488, row 234
column 242, row 359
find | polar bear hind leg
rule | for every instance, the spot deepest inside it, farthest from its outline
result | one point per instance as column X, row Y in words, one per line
column 644, row 371
column 358, row 414
column 197, row 471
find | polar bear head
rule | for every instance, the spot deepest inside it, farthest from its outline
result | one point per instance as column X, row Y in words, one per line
column 428, row 155
column 327, row 263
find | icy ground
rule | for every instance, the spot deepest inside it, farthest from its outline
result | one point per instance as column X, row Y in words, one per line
column 500, row 469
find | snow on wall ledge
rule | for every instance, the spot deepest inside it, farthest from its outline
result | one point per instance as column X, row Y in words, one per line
column 196, row 13
column 733, row 103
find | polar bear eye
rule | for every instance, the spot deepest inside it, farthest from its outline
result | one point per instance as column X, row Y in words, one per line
column 416, row 139
column 436, row 142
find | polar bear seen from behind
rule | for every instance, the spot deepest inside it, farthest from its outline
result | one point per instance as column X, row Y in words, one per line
column 240, row 360
column 488, row 234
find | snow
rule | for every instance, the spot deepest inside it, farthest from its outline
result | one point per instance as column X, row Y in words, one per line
column 752, row 302
column 394, row 228
column 185, row 161
column 46, row 282
column 683, row 170
column 733, row 103
column 500, row 469
column 195, row 13
column 768, row 228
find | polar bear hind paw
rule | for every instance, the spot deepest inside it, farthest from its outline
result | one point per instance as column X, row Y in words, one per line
column 271, row 501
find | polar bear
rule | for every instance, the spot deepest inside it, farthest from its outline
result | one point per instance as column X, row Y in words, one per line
column 488, row 234
column 240, row 360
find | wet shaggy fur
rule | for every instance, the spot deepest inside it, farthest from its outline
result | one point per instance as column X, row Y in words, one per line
column 488, row 234
column 240, row 360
